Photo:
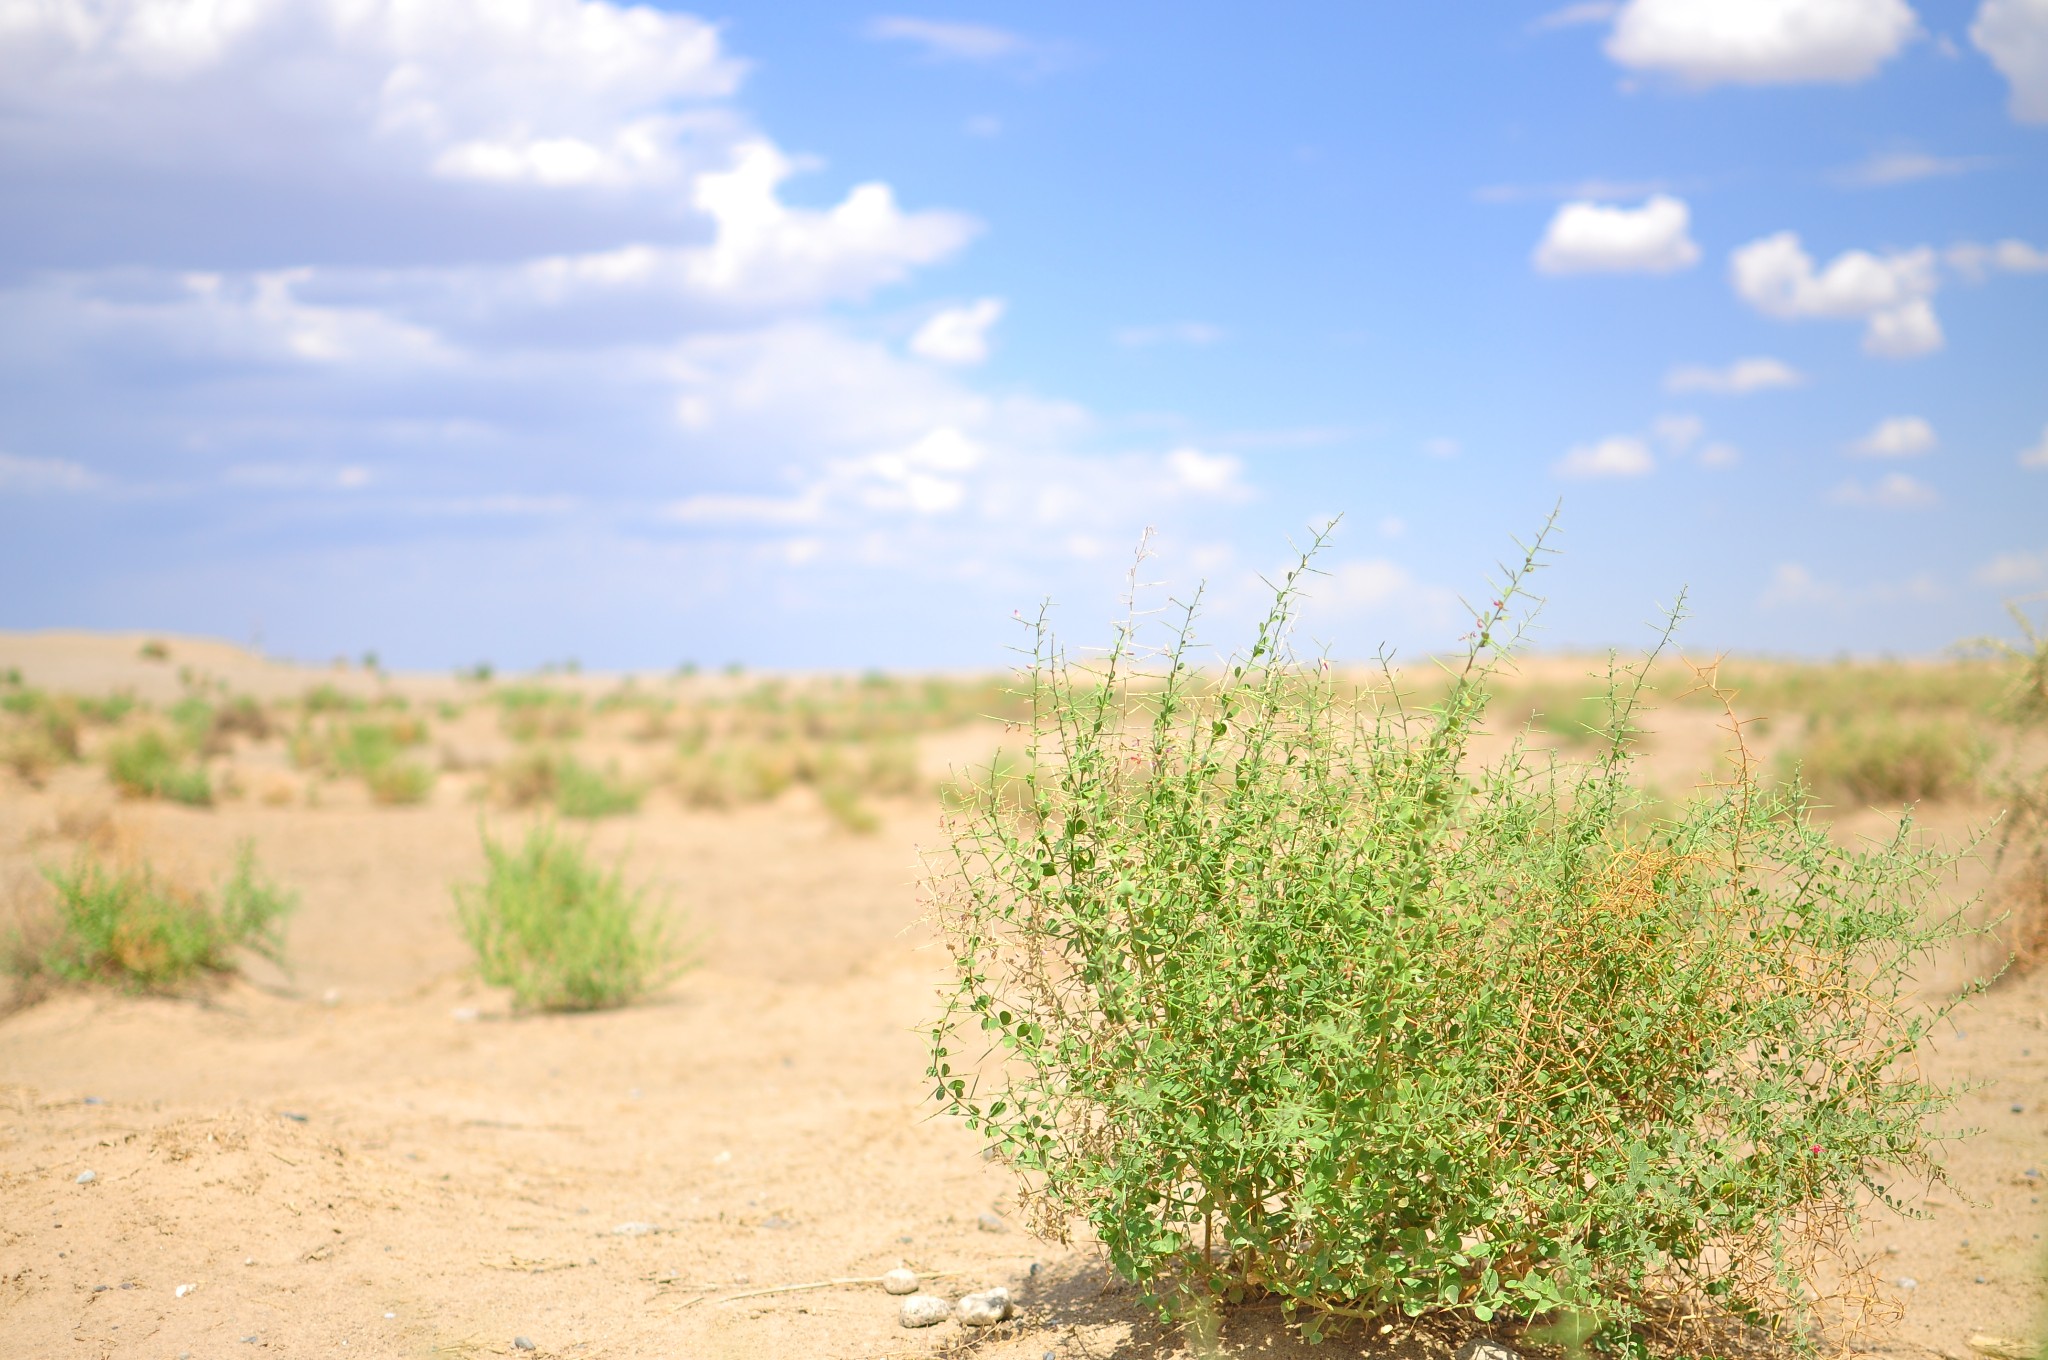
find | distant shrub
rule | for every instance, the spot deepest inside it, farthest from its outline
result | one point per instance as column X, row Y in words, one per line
column 562, row 933
column 106, row 710
column 329, row 698
column 38, row 733
column 535, row 712
column 581, row 791
column 131, row 927
column 154, row 650
column 150, row 765
column 1886, row 761
column 1287, row 995
column 399, row 783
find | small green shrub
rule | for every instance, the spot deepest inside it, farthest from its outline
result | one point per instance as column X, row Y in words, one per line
column 150, row 765
column 131, row 927
column 535, row 712
column 562, row 933
column 581, row 791
column 1886, row 761
column 399, row 783
column 847, row 811
column 1284, row 993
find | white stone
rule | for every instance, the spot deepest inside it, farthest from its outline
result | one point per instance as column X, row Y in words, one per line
column 925, row 1310
column 1484, row 1348
column 900, row 1281
column 987, row 1308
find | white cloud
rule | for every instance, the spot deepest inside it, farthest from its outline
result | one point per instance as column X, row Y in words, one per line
column 958, row 335
column 2013, row 569
column 725, row 509
column 300, row 476
column 1677, row 433
column 1793, row 584
column 1743, row 376
column 1893, row 491
column 1365, row 583
column 2036, row 457
column 1171, row 333
column 1720, row 455
column 1573, row 16
column 1897, row 437
column 1761, row 42
column 553, row 93
column 1206, row 474
column 1588, row 237
column 1905, row 167
column 767, row 252
column 944, row 40
column 1620, row 455
column 2014, row 34
column 19, row 474
column 1976, row 262
column 1888, row 293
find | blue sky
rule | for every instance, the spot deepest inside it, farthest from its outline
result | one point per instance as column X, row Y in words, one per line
column 828, row 335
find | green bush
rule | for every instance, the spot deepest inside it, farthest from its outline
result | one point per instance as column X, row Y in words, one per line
column 131, row 927
column 399, row 783
column 1886, row 761
column 563, row 934
column 581, row 791
column 1286, row 995
column 150, row 765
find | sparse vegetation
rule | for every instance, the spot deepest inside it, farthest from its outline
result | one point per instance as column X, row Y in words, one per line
column 1885, row 761
column 1286, row 995
column 535, row 713
column 129, row 926
column 371, row 749
column 152, row 765
column 561, row 932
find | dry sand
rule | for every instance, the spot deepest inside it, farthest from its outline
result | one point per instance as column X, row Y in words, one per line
column 371, row 1156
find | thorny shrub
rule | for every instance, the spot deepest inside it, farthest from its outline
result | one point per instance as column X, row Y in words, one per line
column 1285, row 995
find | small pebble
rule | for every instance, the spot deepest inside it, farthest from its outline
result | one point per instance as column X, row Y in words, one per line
column 520, row 1343
column 634, row 1229
column 248, row 1260
column 101, row 1288
column 987, row 1308
column 925, row 1310
column 94, row 1100
column 1484, row 1348
column 2019, row 1109
column 294, row 1116
column 463, row 1014
column 182, row 1290
column 248, row 1340
column 1980, row 1279
column 1891, row 1249
column 900, row 1281
column 1907, row 1282
column 87, row 1177
column 390, row 1315
column 991, row 1223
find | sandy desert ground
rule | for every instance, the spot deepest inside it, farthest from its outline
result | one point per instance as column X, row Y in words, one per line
column 370, row 1154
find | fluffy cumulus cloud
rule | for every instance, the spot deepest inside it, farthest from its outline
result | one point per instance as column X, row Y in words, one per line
column 551, row 92
column 1891, row 294
column 958, row 335
column 441, row 267
column 2007, row 570
column 1621, row 455
column 1759, row 373
column 1897, row 437
column 2014, row 34
column 1760, row 42
column 1589, row 238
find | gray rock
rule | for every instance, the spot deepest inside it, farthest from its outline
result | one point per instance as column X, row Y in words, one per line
column 87, row 1177
column 925, row 1310
column 991, row 1223
column 1484, row 1348
column 1906, row 1282
column 987, row 1308
column 900, row 1281
column 520, row 1343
